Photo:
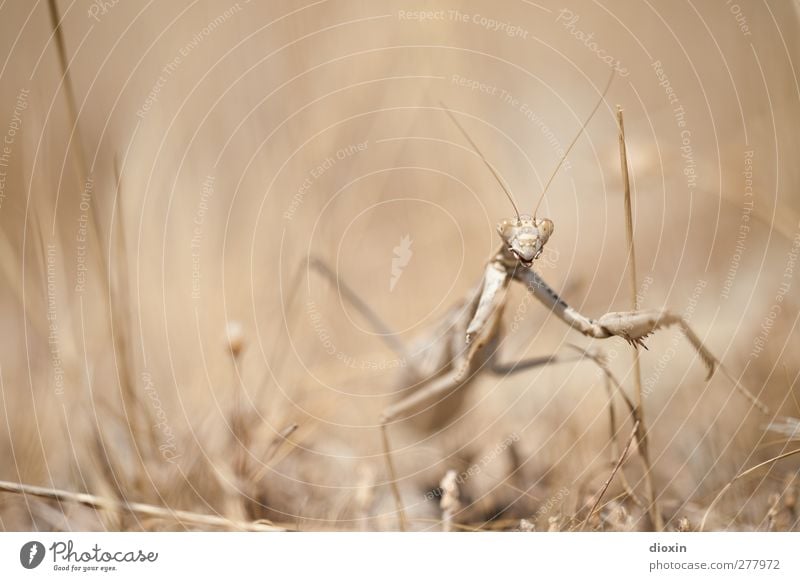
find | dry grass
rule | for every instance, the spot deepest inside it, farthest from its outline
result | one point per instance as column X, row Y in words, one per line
column 199, row 378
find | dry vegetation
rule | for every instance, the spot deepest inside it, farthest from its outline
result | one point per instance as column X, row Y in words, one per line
column 168, row 363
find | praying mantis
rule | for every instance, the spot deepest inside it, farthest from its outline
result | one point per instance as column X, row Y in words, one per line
column 443, row 363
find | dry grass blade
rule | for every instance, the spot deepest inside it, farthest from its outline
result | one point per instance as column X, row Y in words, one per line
column 652, row 498
column 119, row 300
column 398, row 499
column 607, row 483
column 78, row 155
column 612, row 386
column 63, row 61
column 739, row 477
column 283, row 436
column 98, row 502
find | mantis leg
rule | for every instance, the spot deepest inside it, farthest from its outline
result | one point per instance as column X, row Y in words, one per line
column 375, row 321
column 510, row 368
column 482, row 314
column 633, row 326
column 426, row 395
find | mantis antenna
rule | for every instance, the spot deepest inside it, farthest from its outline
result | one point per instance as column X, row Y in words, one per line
column 566, row 153
column 480, row 154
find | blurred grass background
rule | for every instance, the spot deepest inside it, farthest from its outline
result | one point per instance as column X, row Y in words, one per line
column 248, row 137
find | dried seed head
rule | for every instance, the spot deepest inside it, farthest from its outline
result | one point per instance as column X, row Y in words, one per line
column 790, row 494
column 234, row 338
column 621, row 517
column 526, row 526
column 773, row 500
column 365, row 491
column 450, row 493
column 684, row 526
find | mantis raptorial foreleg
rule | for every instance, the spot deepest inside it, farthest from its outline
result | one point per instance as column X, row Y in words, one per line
column 633, row 326
column 492, row 293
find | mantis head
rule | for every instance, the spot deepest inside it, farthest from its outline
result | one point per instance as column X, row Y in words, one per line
column 525, row 237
